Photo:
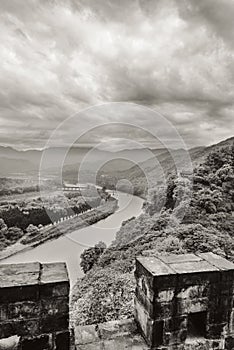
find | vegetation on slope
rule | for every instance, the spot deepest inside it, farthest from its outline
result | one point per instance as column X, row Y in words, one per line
column 106, row 292
column 23, row 217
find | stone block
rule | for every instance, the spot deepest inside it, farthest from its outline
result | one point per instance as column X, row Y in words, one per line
column 145, row 286
column 3, row 312
column 231, row 323
column 34, row 304
column 190, row 294
column 51, row 290
column 86, row 334
column 24, row 309
column 176, row 323
column 144, row 321
column 158, row 273
column 6, row 330
column 19, row 327
column 187, row 267
column 186, row 306
column 181, row 258
column 53, row 324
column 200, row 278
column 127, row 343
column 166, row 296
column 62, row 341
column 163, row 311
column 54, row 273
column 41, row 342
column 177, row 337
column 115, row 329
column 54, row 306
column 149, row 306
column 8, row 295
column 214, row 331
column 14, row 275
column 10, row 343
column 229, row 343
column 141, row 272
column 218, row 261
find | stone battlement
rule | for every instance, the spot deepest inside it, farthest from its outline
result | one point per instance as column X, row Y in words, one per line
column 185, row 299
column 34, row 305
column 182, row 302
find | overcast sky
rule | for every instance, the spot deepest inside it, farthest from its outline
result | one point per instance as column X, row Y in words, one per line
column 59, row 57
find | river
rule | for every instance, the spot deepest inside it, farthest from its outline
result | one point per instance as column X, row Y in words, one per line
column 69, row 248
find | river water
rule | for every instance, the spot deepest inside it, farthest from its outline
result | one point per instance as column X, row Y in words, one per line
column 69, row 248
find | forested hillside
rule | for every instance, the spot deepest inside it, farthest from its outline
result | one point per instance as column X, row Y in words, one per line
column 106, row 292
column 166, row 160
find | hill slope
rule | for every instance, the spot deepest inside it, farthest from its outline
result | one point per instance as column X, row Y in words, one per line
column 107, row 290
column 162, row 163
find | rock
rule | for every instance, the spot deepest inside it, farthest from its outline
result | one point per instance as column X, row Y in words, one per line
column 10, row 343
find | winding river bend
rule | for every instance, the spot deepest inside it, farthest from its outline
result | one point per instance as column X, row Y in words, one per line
column 69, row 248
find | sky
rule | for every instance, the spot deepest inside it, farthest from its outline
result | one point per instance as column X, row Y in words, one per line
column 60, row 57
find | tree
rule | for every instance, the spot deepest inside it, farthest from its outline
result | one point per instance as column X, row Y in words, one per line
column 91, row 256
column 14, row 234
column 3, row 227
column 156, row 200
column 32, row 230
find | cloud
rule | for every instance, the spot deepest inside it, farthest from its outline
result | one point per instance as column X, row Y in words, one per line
column 58, row 57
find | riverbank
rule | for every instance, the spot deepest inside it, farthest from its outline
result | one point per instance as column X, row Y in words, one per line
column 53, row 232
column 68, row 248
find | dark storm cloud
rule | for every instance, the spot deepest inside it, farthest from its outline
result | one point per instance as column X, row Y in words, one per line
column 58, row 57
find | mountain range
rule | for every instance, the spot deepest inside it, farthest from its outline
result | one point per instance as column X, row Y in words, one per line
column 131, row 164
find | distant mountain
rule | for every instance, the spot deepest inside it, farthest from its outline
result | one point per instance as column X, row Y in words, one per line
column 29, row 161
column 130, row 164
column 15, row 166
column 157, row 167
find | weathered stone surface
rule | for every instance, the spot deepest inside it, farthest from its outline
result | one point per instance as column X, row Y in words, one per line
column 86, row 334
column 13, row 294
column 19, row 327
column 22, row 310
column 54, row 290
column 34, row 304
column 54, row 273
column 183, row 296
column 11, row 343
column 37, row 343
column 3, row 312
column 155, row 266
column 125, row 343
column 145, row 322
column 218, row 261
column 114, row 335
column 53, row 324
column 15, row 275
column 62, row 340
column 19, row 269
column 113, row 329
column 54, row 306
column 174, row 258
column 193, row 267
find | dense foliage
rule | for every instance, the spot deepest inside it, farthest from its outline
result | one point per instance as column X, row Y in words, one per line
column 185, row 216
column 91, row 255
column 25, row 215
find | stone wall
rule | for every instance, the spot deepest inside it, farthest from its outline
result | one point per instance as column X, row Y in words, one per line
column 184, row 301
column 113, row 335
column 34, row 306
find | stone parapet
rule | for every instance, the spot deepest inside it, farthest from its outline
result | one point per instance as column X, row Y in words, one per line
column 34, row 305
column 113, row 335
column 182, row 298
